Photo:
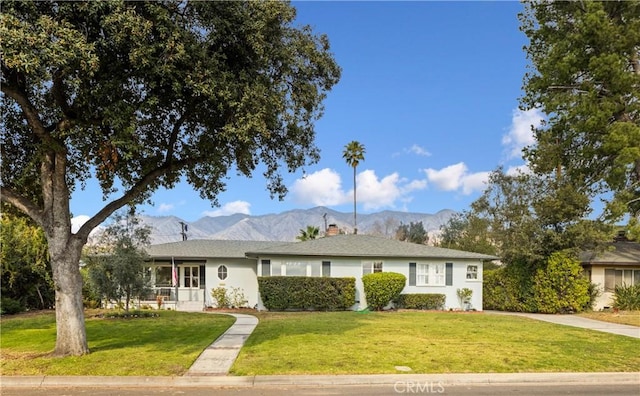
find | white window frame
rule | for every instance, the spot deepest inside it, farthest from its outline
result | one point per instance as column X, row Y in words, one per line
column 372, row 266
column 223, row 270
column 290, row 264
column 189, row 269
column 472, row 272
column 431, row 274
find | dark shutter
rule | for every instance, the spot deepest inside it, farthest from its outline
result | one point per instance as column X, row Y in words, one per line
column 266, row 267
column 412, row 274
column 326, row 269
column 202, row 277
column 449, row 274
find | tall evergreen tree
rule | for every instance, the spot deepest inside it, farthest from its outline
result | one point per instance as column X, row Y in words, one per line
column 584, row 74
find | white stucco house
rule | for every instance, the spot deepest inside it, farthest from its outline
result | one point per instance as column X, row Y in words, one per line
column 203, row 265
column 618, row 265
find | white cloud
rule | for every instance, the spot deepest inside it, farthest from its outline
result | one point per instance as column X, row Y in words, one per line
column 229, row 209
column 324, row 188
column 77, row 222
column 520, row 169
column 456, row 177
column 520, row 134
column 163, row 208
column 415, row 149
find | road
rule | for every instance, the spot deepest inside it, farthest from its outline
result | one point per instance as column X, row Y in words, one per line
column 379, row 390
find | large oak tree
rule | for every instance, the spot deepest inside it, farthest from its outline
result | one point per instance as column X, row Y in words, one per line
column 141, row 95
column 585, row 76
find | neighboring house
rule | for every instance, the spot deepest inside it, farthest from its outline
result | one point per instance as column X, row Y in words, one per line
column 207, row 264
column 618, row 265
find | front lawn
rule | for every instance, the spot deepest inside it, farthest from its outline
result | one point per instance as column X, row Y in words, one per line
column 427, row 342
column 622, row 317
column 164, row 345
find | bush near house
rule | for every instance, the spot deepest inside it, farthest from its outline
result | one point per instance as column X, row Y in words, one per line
column 280, row 293
column 429, row 301
column 554, row 286
column 560, row 287
column 380, row 288
column 508, row 289
column 627, row 297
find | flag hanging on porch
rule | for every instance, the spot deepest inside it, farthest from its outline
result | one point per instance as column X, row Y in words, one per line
column 174, row 273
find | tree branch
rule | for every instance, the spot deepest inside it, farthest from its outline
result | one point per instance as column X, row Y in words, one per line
column 25, row 205
column 30, row 113
column 131, row 194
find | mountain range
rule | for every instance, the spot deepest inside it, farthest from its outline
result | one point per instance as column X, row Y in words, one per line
column 286, row 226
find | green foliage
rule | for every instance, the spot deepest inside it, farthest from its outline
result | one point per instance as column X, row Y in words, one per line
column 380, row 288
column 464, row 296
column 560, row 286
column 224, row 298
column 25, row 269
column 9, row 306
column 467, row 231
column 116, row 266
column 353, row 153
column 310, row 233
column 220, row 298
column 281, row 293
column 430, row 301
column 139, row 95
column 412, row 232
column 627, row 297
column 585, row 74
column 509, row 288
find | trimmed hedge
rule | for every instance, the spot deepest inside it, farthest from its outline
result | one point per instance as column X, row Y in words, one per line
column 280, row 293
column 380, row 288
column 421, row 301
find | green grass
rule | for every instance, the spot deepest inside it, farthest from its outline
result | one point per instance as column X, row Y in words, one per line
column 164, row 345
column 622, row 317
column 375, row 343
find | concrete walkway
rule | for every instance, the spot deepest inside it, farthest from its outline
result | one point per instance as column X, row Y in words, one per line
column 578, row 321
column 218, row 358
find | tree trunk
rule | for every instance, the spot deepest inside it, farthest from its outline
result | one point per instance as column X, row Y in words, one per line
column 71, row 337
column 355, row 223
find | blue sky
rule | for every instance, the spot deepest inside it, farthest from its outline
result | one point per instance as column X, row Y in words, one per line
column 430, row 88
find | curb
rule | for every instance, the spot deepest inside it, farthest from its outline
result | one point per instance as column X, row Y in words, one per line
column 319, row 380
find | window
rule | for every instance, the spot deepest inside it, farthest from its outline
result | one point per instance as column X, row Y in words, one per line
column 222, row 272
column 266, row 267
column 619, row 277
column 472, row 272
column 430, row 274
column 192, row 276
column 326, row 269
column 369, row 267
column 295, row 268
column 163, row 277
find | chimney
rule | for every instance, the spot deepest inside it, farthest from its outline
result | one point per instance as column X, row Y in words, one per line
column 332, row 230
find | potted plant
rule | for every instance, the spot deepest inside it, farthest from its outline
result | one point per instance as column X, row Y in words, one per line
column 464, row 295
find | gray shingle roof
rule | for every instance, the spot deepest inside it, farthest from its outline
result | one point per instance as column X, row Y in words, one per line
column 201, row 248
column 364, row 246
column 621, row 252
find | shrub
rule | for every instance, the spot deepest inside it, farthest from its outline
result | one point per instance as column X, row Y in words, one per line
column 560, row 287
column 509, row 288
column 279, row 293
column 464, row 296
column 627, row 297
column 220, row 298
column 9, row 306
column 420, row 301
column 380, row 288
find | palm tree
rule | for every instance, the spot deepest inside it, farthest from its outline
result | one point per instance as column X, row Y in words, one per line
column 310, row 233
column 354, row 153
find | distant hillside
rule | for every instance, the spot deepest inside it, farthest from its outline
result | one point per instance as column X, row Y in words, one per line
column 286, row 226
